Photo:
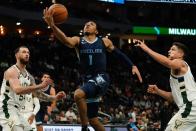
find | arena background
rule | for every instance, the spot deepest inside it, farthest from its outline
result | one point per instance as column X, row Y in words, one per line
column 157, row 22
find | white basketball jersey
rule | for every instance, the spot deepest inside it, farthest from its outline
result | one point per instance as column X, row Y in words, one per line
column 27, row 104
column 183, row 88
column 8, row 97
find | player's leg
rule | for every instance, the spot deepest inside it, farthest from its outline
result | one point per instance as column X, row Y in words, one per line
column 80, row 99
column 93, row 116
column 96, row 124
column 39, row 119
column 95, row 86
column 39, row 128
column 88, row 90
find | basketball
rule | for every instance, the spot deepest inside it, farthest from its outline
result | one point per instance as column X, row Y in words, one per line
column 60, row 13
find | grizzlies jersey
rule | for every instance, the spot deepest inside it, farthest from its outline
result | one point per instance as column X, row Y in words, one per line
column 183, row 88
column 92, row 56
column 44, row 104
column 46, row 90
column 8, row 98
column 43, row 107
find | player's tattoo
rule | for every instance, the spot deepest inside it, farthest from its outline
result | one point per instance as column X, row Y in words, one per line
column 43, row 96
column 32, row 79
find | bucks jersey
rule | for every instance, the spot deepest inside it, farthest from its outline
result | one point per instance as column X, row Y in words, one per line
column 92, row 56
column 183, row 88
column 8, row 97
column 184, row 94
column 27, row 104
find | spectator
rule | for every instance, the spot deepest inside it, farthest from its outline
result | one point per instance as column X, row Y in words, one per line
column 131, row 125
column 71, row 116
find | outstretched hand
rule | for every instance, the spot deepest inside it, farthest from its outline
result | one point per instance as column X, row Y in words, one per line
column 153, row 89
column 140, row 43
column 44, row 83
column 60, row 95
column 136, row 71
column 48, row 16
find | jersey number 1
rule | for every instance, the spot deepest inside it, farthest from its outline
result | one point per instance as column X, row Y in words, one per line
column 90, row 59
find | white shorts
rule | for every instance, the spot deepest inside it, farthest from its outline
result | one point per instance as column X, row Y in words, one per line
column 14, row 118
column 185, row 123
column 26, row 117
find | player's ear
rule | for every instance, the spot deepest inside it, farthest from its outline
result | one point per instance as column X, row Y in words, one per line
column 16, row 55
column 96, row 32
column 181, row 54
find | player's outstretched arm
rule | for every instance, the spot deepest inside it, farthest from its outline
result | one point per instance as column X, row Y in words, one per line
column 11, row 75
column 135, row 71
column 53, row 93
column 153, row 89
column 172, row 64
column 68, row 41
column 45, row 97
column 110, row 47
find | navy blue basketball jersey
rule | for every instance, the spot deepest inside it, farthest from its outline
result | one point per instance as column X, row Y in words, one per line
column 92, row 56
column 44, row 104
column 47, row 89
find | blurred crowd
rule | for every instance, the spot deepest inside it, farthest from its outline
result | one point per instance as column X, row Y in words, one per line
column 126, row 101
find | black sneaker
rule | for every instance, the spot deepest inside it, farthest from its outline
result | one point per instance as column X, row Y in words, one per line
column 85, row 129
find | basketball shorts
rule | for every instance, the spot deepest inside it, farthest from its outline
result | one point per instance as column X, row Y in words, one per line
column 96, row 85
column 26, row 117
column 12, row 117
column 184, row 119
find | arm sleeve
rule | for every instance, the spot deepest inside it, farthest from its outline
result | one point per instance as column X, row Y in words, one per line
column 117, row 53
column 43, row 96
column 37, row 105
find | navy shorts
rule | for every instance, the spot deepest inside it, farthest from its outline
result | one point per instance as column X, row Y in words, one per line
column 40, row 117
column 95, row 85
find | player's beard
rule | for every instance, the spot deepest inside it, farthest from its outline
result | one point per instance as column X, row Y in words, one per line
column 23, row 61
column 87, row 33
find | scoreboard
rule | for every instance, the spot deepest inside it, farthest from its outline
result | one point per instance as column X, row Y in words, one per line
column 158, row 1
column 166, row 1
column 114, row 1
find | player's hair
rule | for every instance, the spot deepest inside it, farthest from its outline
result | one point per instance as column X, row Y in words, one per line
column 182, row 47
column 45, row 73
column 17, row 49
column 98, row 26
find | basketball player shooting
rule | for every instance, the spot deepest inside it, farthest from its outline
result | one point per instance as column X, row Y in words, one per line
column 183, row 87
column 91, row 51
